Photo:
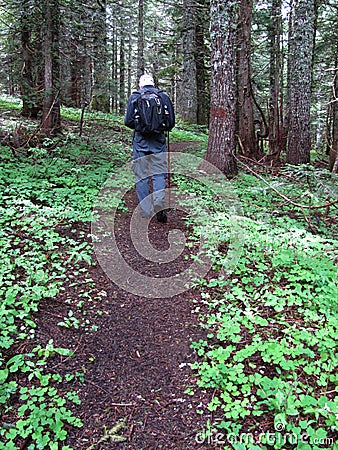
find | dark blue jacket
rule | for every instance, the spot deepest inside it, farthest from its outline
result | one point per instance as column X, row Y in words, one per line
column 155, row 143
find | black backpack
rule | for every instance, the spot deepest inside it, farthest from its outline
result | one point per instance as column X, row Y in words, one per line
column 152, row 114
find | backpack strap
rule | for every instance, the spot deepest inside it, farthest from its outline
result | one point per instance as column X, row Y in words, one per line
column 135, row 100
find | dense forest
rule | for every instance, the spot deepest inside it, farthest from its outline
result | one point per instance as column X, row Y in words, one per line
column 219, row 327
column 261, row 75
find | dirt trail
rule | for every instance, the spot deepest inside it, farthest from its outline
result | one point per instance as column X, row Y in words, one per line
column 137, row 363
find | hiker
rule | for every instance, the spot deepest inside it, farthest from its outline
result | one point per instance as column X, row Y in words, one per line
column 150, row 114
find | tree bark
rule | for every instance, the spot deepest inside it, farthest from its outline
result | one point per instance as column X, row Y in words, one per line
column 301, row 49
column 30, row 84
column 122, row 67
column 202, row 78
column 334, row 145
column 51, row 117
column 114, row 65
column 246, row 128
column 189, row 88
column 100, row 95
column 130, row 57
column 140, row 40
column 28, row 107
column 222, row 124
column 275, row 83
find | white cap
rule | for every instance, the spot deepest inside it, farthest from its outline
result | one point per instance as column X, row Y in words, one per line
column 146, row 80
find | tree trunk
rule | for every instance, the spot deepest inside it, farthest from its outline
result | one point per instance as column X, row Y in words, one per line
column 28, row 102
column 246, row 128
column 301, row 48
column 275, row 100
column 140, row 40
column 51, row 118
column 334, row 146
column 286, row 112
column 130, row 57
column 122, row 67
column 189, row 88
column 88, row 78
column 100, row 94
column 222, row 124
column 202, row 27
column 114, row 85
column 29, row 85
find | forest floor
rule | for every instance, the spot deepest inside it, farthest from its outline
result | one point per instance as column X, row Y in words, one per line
column 137, row 363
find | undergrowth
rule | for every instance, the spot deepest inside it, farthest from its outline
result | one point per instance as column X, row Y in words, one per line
column 271, row 319
column 272, row 329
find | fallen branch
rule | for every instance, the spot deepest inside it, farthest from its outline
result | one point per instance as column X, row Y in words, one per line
column 298, row 205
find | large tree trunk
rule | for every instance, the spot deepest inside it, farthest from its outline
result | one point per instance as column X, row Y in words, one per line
column 222, row 125
column 51, row 118
column 246, row 128
column 301, row 49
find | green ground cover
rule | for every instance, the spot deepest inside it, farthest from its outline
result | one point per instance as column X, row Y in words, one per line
column 270, row 356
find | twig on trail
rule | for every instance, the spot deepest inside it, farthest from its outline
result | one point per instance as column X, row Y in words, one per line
column 55, row 315
column 145, row 422
column 109, row 392
column 131, row 430
column 123, row 404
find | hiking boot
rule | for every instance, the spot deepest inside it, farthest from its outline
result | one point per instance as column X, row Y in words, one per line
column 161, row 216
column 145, row 215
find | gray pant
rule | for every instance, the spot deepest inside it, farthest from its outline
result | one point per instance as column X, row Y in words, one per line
column 152, row 165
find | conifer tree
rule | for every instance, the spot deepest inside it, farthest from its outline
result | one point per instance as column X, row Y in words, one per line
column 222, row 125
column 300, row 77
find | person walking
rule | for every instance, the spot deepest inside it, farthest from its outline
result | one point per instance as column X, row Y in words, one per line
column 150, row 145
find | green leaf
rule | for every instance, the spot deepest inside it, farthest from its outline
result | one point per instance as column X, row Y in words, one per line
column 3, row 375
